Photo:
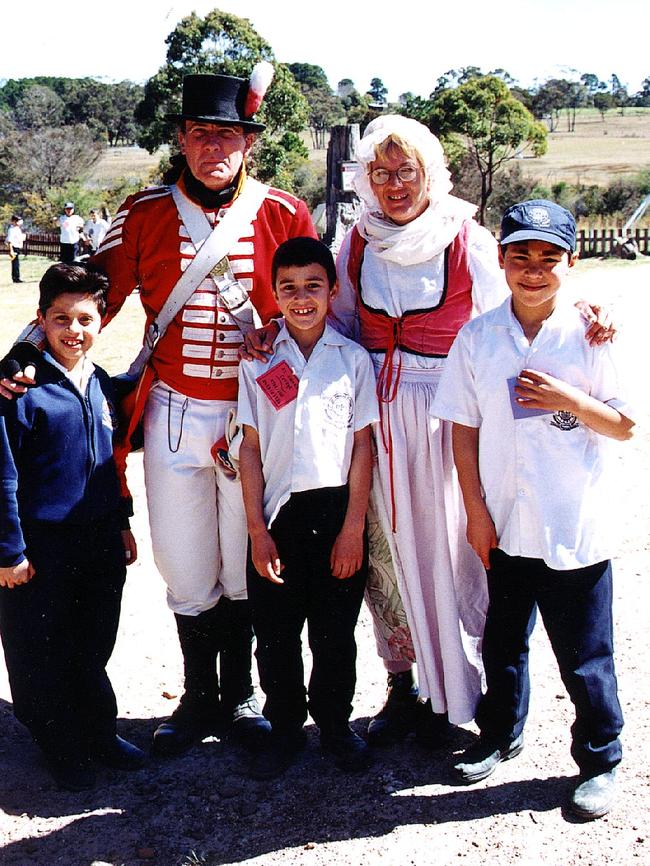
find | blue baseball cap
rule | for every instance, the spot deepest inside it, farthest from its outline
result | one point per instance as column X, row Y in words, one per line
column 539, row 220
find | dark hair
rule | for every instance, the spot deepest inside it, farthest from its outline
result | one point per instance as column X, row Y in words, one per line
column 298, row 252
column 77, row 279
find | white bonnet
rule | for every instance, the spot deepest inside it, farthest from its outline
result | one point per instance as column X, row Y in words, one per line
column 419, row 137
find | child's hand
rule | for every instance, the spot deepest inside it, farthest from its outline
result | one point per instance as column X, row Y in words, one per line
column 481, row 532
column 540, row 391
column 14, row 575
column 347, row 553
column 17, row 383
column 130, row 547
column 265, row 556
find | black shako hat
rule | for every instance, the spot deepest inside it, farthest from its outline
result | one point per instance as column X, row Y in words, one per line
column 217, row 99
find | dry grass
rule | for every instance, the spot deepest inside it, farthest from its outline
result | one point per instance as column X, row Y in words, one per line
column 598, row 152
column 124, row 162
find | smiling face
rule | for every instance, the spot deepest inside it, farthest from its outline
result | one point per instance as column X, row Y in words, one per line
column 303, row 294
column 71, row 324
column 214, row 153
column 534, row 271
column 400, row 201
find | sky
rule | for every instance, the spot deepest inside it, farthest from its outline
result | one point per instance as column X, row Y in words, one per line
column 407, row 45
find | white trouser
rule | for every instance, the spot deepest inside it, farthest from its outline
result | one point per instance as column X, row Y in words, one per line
column 196, row 513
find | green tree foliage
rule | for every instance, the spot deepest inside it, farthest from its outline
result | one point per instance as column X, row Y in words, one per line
column 493, row 123
column 603, row 102
column 355, row 105
column 39, row 107
column 325, row 108
column 378, row 91
column 228, row 45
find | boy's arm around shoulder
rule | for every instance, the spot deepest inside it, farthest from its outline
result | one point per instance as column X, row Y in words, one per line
column 263, row 550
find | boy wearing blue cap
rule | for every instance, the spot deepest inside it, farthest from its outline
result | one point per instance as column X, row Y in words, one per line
column 533, row 405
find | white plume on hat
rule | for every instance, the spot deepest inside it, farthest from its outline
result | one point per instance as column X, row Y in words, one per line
column 258, row 84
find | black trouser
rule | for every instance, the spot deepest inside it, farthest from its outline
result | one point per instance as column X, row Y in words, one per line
column 576, row 608
column 15, row 266
column 68, row 253
column 58, row 632
column 304, row 532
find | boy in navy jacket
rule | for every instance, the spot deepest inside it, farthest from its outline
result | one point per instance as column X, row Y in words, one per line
column 64, row 539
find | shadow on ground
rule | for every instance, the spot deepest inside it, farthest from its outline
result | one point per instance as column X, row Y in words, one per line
column 202, row 808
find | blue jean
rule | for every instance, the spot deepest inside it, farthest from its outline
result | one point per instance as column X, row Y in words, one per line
column 576, row 608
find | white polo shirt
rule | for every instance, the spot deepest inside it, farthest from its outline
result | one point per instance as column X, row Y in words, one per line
column 70, row 226
column 546, row 476
column 16, row 237
column 307, row 444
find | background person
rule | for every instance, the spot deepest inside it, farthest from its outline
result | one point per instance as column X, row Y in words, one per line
column 15, row 240
column 95, row 230
column 71, row 226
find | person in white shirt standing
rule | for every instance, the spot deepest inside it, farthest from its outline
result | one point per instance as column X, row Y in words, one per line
column 15, row 241
column 71, row 225
column 532, row 406
column 306, row 465
column 95, row 230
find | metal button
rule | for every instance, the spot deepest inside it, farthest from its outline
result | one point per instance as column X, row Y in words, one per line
column 220, row 353
column 221, row 337
column 218, row 372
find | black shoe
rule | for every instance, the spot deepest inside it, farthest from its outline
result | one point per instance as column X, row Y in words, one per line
column 72, row 775
column 594, row 796
column 119, row 754
column 186, row 726
column 279, row 752
column 482, row 759
column 432, row 730
column 248, row 726
column 397, row 718
column 349, row 750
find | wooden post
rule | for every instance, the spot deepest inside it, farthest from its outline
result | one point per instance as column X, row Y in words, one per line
column 343, row 205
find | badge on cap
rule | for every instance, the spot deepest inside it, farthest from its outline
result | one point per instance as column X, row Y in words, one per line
column 540, row 217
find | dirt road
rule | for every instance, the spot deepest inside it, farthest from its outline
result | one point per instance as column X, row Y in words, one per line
column 407, row 809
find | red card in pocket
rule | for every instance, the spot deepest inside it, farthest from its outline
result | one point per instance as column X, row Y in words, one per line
column 280, row 384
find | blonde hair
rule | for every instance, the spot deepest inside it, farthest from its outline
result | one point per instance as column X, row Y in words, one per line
column 393, row 142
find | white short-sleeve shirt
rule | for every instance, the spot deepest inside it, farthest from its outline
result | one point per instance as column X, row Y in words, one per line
column 307, row 444
column 546, row 477
column 70, row 227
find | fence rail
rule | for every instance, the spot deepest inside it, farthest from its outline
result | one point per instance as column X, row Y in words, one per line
column 38, row 245
column 591, row 243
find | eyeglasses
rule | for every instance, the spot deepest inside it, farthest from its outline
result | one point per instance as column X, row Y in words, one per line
column 406, row 173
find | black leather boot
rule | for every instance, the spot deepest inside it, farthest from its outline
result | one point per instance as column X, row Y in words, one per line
column 432, row 730
column 197, row 713
column 240, row 712
column 397, row 718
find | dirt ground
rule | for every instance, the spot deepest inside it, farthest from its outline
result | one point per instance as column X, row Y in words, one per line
column 407, row 809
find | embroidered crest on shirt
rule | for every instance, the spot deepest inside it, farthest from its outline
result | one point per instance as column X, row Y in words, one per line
column 339, row 410
column 564, row 421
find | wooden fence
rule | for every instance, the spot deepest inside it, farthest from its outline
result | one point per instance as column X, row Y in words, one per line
column 38, row 245
column 591, row 243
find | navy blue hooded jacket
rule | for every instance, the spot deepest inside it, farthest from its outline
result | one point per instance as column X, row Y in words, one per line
column 56, row 456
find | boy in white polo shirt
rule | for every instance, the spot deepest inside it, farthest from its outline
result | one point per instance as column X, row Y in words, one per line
column 305, row 467
column 533, row 404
